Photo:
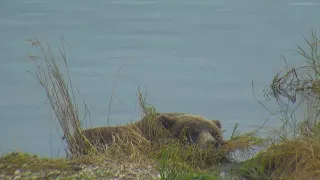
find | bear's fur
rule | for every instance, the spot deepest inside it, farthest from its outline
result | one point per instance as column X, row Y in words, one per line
column 192, row 129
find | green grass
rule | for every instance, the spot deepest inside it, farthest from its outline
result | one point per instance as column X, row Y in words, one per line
column 173, row 169
column 16, row 160
column 17, row 165
column 31, row 166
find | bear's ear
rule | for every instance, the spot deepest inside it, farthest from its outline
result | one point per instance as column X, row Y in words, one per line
column 217, row 122
column 166, row 121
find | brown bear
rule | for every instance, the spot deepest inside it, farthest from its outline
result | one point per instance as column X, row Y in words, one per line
column 192, row 129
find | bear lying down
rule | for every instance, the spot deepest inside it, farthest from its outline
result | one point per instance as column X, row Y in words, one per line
column 191, row 129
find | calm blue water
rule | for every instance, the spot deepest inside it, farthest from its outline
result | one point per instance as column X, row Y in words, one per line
column 193, row 56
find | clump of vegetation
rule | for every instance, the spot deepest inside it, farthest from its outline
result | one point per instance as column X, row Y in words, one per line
column 291, row 159
column 60, row 94
column 293, row 153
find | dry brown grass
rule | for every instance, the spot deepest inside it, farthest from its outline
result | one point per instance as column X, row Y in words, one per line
column 295, row 151
column 300, row 86
column 130, row 144
column 60, row 93
column 292, row 159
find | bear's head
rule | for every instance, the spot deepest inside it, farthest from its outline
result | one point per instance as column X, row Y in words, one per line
column 193, row 129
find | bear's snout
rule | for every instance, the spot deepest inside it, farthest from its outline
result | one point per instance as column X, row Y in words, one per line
column 204, row 139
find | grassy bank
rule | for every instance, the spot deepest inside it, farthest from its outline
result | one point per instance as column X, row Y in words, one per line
column 17, row 165
column 290, row 153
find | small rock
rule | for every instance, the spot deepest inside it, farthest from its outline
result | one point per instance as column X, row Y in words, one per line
column 53, row 174
column 17, row 178
column 27, row 173
column 9, row 178
column 17, row 172
column 2, row 165
column 77, row 168
column 25, row 165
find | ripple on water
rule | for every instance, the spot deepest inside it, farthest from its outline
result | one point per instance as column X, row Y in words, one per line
column 304, row 3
